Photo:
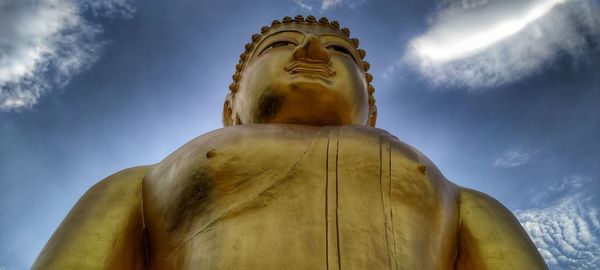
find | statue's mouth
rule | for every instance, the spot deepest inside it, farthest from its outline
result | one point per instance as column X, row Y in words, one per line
column 318, row 69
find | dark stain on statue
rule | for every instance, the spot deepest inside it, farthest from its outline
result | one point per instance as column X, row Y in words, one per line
column 269, row 106
column 192, row 200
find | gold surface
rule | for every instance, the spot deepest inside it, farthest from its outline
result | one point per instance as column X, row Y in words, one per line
column 301, row 73
column 104, row 230
column 321, row 197
column 297, row 180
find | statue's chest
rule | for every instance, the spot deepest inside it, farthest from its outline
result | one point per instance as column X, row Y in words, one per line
column 332, row 197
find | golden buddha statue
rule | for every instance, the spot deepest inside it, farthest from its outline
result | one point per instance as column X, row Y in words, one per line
column 299, row 178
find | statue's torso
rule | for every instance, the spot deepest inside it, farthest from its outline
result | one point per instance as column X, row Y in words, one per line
column 299, row 197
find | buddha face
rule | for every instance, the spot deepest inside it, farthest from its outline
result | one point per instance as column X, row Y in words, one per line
column 308, row 74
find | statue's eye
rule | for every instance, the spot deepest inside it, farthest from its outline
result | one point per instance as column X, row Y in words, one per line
column 279, row 43
column 341, row 49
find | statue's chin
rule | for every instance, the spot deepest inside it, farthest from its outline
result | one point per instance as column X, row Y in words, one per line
column 306, row 102
column 317, row 121
column 317, row 110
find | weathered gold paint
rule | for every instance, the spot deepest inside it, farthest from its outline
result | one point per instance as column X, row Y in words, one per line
column 104, row 230
column 297, row 180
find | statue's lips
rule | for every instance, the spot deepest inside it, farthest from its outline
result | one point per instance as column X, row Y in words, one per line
column 322, row 70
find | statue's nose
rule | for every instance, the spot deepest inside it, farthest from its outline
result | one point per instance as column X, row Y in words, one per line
column 311, row 50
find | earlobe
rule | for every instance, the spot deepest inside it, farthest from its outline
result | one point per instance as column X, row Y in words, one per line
column 372, row 115
column 228, row 119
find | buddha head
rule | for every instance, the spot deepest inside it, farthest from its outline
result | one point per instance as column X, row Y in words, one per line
column 301, row 71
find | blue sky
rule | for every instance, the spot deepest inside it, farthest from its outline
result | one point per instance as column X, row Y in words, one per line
column 503, row 95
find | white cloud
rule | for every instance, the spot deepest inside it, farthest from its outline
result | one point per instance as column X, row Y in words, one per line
column 513, row 157
column 43, row 43
column 566, row 233
column 327, row 4
column 304, row 4
column 570, row 185
column 485, row 43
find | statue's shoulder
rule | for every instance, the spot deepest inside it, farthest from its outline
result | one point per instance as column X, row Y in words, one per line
column 118, row 188
column 478, row 203
column 477, row 207
column 106, row 220
column 129, row 179
column 491, row 237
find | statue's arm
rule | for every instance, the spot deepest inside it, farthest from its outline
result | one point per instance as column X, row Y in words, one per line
column 491, row 238
column 104, row 230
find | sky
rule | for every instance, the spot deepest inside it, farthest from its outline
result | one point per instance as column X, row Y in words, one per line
column 502, row 95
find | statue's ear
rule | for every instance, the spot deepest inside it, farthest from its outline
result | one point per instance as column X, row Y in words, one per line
column 228, row 119
column 372, row 115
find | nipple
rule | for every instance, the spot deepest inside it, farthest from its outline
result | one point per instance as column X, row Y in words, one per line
column 211, row 153
column 422, row 169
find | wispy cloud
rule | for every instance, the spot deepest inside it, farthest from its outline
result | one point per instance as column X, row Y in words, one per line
column 566, row 234
column 324, row 5
column 485, row 43
column 108, row 8
column 304, row 4
column 569, row 186
column 327, row 4
column 43, row 43
column 513, row 157
column 573, row 182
